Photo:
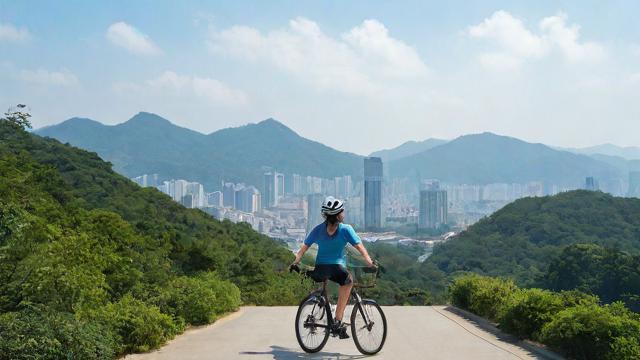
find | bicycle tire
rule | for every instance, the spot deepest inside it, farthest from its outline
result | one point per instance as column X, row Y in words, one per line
column 355, row 315
column 311, row 300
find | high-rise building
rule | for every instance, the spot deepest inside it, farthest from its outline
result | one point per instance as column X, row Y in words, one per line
column 239, row 198
column 228, row 195
column 297, row 184
column 180, row 190
column 433, row 207
column 634, row 184
column 314, row 207
column 269, row 194
column 372, row 193
column 251, row 199
column 590, row 183
column 196, row 190
column 215, row 199
column 279, row 187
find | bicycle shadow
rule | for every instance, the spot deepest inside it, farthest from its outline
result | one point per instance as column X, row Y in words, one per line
column 282, row 353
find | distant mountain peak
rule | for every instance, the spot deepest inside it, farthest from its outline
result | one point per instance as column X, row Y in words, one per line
column 272, row 122
column 147, row 118
column 70, row 123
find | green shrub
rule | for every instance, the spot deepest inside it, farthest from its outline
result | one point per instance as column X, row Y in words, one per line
column 227, row 294
column 138, row 327
column 482, row 295
column 30, row 334
column 625, row 348
column 199, row 300
column 528, row 310
column 593, row 332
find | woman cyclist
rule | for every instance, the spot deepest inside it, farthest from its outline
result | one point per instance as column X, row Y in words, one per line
column 332, row 237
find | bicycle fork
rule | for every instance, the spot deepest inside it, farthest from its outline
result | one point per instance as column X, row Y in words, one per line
column 362, row 310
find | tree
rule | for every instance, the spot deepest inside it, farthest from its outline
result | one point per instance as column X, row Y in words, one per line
column 18, row 116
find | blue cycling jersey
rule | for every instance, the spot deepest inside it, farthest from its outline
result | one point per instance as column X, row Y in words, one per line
column 331, row 249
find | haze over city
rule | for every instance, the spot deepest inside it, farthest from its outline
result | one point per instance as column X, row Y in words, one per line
column 376, row 75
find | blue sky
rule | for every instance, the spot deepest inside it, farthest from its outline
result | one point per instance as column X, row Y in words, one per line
column 357, row 76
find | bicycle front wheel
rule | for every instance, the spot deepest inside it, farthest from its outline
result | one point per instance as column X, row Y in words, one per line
column 312, row 323
column 368, row 327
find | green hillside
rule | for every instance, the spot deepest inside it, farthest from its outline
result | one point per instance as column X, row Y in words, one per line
column 94, row 266
column 148, row 144
column 522, row 239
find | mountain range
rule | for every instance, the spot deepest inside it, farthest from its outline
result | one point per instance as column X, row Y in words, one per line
column 626, row 152
column 490, row 158
column 407, row 149
column 148, row 143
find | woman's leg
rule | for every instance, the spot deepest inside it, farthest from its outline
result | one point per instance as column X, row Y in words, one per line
column 343, row 297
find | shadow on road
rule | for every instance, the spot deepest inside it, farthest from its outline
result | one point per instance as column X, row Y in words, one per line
column 281, row 353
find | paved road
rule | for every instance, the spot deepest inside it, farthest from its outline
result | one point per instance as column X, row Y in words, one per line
column 423, row 332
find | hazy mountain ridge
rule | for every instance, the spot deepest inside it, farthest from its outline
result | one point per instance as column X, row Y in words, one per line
column 490, row 158
column 626, row 152
column 148, row 144
column 407, row 149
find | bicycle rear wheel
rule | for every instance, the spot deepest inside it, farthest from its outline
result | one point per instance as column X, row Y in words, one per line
column 311, row 313
column 368, row 327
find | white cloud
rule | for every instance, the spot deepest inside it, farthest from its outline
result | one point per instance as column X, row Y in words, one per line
column 172, row 86
column 365, row 60
column 42, row 77
column 516, row 43
column 128, row 37
column 566, row 38
column 511, row 34
column 10, row 33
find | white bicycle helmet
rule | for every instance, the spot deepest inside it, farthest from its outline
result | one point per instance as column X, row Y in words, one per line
column 332, row 206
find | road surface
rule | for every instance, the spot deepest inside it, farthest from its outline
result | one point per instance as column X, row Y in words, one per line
column 414, row 332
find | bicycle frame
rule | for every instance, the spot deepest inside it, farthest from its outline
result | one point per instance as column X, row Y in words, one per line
column 322, row 293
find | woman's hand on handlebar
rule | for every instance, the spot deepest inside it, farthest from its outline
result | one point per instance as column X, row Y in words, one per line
column 371, row 263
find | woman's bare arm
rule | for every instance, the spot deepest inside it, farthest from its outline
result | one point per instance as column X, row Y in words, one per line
column 360, row 247
column 303, row 249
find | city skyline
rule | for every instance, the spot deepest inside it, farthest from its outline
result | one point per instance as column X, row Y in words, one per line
column 531, row 71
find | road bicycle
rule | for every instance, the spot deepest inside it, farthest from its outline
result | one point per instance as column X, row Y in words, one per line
column 314, row 319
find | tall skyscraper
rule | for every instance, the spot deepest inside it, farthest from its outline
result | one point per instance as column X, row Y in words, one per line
column 279, row 187
column 252, row 202
column 228, row 195
column 314, row 214
column 239, row 198
column 196, row 190
column 433, row 207
column 269, row 195
column 297, row 184
column 634, row 184
column 372, row 193
column 591, row 184
column 180, row 190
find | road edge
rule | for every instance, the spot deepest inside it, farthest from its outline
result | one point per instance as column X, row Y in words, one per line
column 486, row 325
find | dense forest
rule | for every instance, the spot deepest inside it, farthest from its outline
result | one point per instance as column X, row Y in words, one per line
column 93, row 266
column 535, row 242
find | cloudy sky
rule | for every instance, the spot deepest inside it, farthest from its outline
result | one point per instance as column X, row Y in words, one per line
column 358, row 76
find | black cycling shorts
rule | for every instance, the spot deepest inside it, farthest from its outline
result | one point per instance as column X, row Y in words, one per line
column 334, row 272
